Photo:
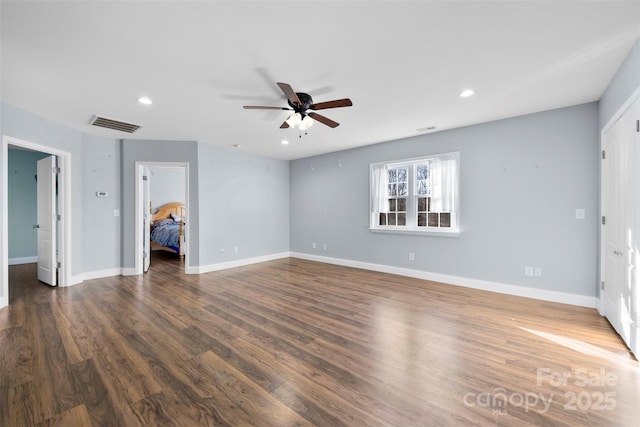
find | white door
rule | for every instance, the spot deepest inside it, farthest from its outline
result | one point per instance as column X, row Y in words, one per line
column 146, row 214
column 621, row 252
column 47, row 224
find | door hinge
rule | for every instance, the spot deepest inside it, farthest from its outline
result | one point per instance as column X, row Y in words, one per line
column 58, row 264
column 603, row 155
column 602, row 285
column 144, row 177
column 56, row 169
column 144, row 254
column 58, row 217
column 637, row 125
column 604, row 221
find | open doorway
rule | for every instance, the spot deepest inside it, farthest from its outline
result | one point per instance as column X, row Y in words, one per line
column 162, row 214
column 57, row 250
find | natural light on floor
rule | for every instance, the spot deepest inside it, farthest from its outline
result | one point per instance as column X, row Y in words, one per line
column 586, row 348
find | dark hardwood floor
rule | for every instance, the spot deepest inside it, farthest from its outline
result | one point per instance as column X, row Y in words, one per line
column 293, row 342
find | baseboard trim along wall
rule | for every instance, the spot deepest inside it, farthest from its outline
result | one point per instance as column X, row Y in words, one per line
column 23, row 260
column 503, row 288
column 236, row 263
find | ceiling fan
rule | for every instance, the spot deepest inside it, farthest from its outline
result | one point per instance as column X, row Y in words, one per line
column 300, row 102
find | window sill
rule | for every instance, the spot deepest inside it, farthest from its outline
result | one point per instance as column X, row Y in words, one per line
column 413, row 231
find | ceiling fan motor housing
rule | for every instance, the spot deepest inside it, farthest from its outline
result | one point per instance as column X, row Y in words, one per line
column 305, row 102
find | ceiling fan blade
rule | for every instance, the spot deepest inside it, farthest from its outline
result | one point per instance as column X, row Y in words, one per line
column 324, row 120
column 284, row 125
column 286, row 88
column 345, row 102
column 261, row 107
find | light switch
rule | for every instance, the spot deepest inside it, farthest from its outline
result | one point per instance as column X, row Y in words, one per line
column 580, row 213
column 116, row 212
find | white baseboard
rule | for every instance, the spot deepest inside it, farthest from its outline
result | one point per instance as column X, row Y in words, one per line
column 503, row 288
column 102, row 273
column 129, row 272
column 236, row 263
column 23, row 260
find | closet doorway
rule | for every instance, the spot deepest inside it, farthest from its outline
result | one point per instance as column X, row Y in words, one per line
column 620, row 244
column 162, row 213
column 58, row 249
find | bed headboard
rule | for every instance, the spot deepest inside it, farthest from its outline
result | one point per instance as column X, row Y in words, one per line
column 166, row 210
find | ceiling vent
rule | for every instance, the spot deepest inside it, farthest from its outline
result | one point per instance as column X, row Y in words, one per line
column 114, row 124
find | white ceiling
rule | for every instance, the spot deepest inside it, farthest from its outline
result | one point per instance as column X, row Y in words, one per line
column 403, row 64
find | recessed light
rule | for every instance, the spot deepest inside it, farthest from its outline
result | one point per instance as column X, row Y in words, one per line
column 284, row 142
column 145, row 100
column 466, row 93
column 237, row 146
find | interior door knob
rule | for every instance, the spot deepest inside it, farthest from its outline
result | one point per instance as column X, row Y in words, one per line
column 36, row 226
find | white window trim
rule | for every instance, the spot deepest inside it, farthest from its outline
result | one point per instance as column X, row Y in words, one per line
column 453, row 231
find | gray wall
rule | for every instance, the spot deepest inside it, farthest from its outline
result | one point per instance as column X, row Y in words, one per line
column 167, row 185
column 521, row 181
column 622, row 86
column 157, row 151
column 244, row 202
column 100, row 227
column 23, row 203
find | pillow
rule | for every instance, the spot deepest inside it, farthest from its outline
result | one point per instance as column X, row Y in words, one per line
column 162, row 222
column 176, row 218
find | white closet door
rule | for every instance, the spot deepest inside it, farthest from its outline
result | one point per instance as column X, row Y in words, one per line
column 46, row 216
column 621, row 209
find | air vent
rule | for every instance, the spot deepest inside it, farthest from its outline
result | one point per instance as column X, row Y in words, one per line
column 114, row 124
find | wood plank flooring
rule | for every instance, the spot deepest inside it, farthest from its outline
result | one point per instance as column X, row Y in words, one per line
column 294, row 342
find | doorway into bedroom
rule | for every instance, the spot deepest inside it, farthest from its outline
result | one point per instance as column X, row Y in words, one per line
column 162, row 215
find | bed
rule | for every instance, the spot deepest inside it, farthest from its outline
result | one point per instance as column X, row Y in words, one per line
column 167, row 228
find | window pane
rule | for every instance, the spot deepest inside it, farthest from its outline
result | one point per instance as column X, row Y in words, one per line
column 393, row 189
column 392, row 219
column 382, row 219
column 445, row 220
column 433, row 219
column 402, row 219
column 393, row 176
column 402, row 175
column 423, row 188
column 423, row 172
column 392, row 205
column 422, row 220
column 402, row 189
column 422, row 204
column 402, row 205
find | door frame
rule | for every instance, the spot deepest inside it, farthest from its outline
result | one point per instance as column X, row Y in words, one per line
column 64, row 210
column 139, row 209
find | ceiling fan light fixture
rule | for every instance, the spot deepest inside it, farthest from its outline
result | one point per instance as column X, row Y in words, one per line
column 306, row 123
column 294, row 120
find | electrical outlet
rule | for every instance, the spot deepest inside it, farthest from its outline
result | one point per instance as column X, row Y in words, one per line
column 528, row 271
column 412, row 256
column 324, row 246
column 537, row 272
column 313, row 245
column 235, row 249
column 222, row 251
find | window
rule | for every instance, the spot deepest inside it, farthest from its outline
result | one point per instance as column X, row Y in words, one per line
column 415, row 195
